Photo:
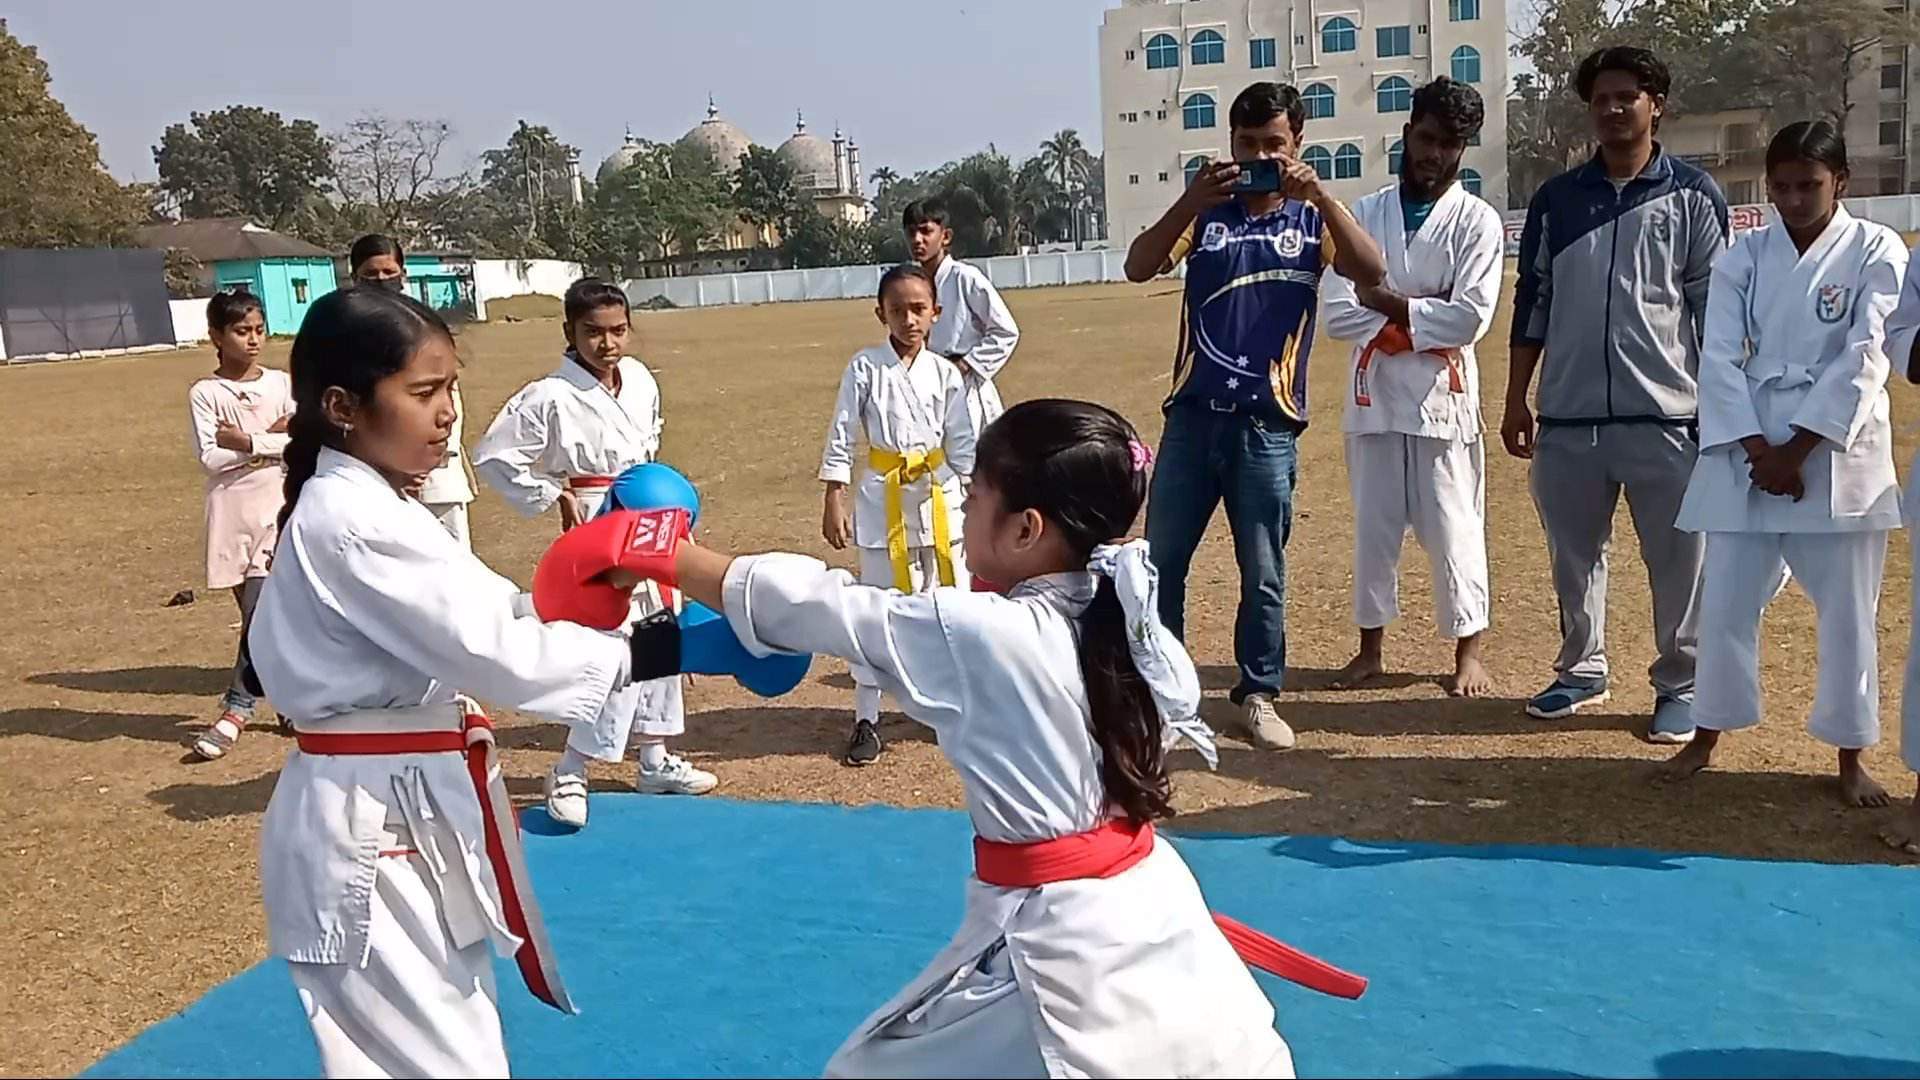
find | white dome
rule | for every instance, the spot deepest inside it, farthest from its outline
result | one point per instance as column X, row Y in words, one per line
column 722, row 141
column 811, row 159
column 619, row 159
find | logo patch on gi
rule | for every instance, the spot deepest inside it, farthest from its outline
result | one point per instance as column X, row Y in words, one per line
column 1215, row 238
column 1831, row 302
column 1289, row 243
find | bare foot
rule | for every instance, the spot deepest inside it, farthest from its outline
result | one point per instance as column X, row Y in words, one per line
column 1470, row 678
column 1692, row 758
column 1856, row 787
column 1903, row 833
column 1359, row 670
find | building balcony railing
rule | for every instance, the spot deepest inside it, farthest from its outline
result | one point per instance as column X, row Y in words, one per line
column 1720, row 159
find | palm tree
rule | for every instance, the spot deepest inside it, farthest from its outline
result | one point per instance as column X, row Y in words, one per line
column 1068, row 163
column 884, row 178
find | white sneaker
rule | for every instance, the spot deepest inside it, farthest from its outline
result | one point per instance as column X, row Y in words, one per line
column 675, row 776
column 1264, row 727
column 567, row 799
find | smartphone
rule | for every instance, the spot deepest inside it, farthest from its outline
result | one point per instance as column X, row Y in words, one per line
column 1260, row 177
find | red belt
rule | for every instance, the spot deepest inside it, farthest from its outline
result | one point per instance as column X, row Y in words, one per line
column 588, row 483
column 535, row 956
column 1398, row 340
column 1117, row 846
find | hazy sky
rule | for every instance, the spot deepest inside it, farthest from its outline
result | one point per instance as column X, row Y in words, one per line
column 910, row 80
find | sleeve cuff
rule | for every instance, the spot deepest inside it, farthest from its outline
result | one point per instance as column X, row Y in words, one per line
column 737, row 605
column 836, row 474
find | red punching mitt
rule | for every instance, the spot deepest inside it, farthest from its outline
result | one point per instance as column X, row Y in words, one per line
column 569, row 586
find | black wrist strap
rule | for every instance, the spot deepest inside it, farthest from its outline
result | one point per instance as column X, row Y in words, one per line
column 656, row 647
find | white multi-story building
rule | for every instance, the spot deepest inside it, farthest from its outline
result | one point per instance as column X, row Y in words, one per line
column 1169, row 70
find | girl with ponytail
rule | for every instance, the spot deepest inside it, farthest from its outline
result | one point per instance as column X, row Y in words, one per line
column 1086, row 949
column 389, row 849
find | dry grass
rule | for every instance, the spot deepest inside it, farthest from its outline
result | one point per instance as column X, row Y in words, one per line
column 130, row 876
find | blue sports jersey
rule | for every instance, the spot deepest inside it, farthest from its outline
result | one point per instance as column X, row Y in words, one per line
column 1246, row 319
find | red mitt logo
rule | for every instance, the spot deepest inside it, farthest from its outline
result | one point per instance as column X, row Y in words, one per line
column 655, row 533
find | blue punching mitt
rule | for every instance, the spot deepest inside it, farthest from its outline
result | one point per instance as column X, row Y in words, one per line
column 708, row 646
column 653, row 486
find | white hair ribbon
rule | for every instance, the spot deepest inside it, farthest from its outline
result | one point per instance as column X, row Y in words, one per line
column 1160, row 659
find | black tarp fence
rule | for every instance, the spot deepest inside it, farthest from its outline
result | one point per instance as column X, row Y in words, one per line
column 78, row 299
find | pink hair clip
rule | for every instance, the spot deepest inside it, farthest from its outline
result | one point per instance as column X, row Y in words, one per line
column 1141, row 453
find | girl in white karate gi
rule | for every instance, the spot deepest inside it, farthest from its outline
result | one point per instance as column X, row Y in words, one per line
column 1056, row 704
column 389, row 855
column 561, row 441
column 908, row 404
column 1795, row 472
column 240, row 415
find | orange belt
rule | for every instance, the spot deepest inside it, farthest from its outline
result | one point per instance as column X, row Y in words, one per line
column 1397, row 340
column 588, row 483
column 1113, row 848
column 535, row 956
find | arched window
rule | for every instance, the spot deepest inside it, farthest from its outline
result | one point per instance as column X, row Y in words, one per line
column 1394, row 95
column 1466, row 64
column 1470, row 179
column 1193, row 167
column 1319, row 101
column 1197, row 111
column 1463, row 10
column 1162, row 52
column 1209, row 48
column 1346, row 162
column 1320, row 160
column 1394, row 153
column 1338, row 34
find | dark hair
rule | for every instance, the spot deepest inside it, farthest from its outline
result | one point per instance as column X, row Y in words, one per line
column 1809, row 140
column 1074, row 463
column 351, row 338
column 919, row 212
column 590, row 294
column 906, row 272
column 227, row 308
column 1456, row 105
column 1259, row 103
column 1647, row 69
column 371, row 246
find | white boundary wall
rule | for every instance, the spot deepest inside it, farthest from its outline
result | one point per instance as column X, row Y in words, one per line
column 497, row 279
column 859, row 282
column 189, row 320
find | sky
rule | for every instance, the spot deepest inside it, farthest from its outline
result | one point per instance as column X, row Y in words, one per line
column 914, row 82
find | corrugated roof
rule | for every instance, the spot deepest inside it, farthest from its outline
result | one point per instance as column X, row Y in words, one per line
column 227, row 238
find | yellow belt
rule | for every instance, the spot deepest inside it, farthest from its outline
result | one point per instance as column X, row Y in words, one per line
column 899, row 470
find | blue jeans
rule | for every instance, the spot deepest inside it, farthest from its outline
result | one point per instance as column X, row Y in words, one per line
column 1248, row 461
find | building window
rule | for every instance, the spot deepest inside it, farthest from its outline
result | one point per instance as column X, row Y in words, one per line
column 1163, row 178
column 1891, row 76
column 1262, row 53
column 1740, row 192
column 1474, row 139
column 1193, row 166
column 1161, row 115
column 1319, row 100
column 1209, row 48
column 299, row 290
column 1129, row 56
column 1395, row 95
column 1162, row 52
column 1133, row 178
column 1889, row 133
column 1338, row 34
column 1320, row 160
column 1463, row 10
column 1466, row 64
column 1394, row 153
column 1470, row 180
column 1346, row 162
column 1197, row 111
column 1394, row 40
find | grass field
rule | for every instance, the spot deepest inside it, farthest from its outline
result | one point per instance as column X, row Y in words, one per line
column 130, row 875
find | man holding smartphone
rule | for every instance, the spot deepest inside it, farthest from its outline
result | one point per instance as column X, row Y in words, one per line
column 1254, row 252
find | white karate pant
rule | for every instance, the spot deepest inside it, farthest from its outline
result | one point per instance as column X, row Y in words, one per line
column 453, row 518
column 420, row 1006
column 1910, row 692
column 983, row 402
column 876, row 568
column 1840, row 573
column 654, row 709
column 1438, row 487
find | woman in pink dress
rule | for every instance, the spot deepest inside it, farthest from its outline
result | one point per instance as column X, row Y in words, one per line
column 239, row 418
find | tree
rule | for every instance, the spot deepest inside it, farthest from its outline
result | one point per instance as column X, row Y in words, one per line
column 763, row 191
column 818, row 241
column 522, row 206
column 244, row 161
column 883, row 178
column 670, row 200
column 53, row 190
column 979, row 191
column 1068, row 163
column 1810, row 51
column 392, row 167
column 1041, row 208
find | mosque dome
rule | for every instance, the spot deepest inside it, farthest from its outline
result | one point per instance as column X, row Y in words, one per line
column 619, row 159
column 720, row 139
column 811, row 159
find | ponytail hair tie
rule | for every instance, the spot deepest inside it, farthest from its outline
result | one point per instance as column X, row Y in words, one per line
column 1142, row 455
column 1160, row 659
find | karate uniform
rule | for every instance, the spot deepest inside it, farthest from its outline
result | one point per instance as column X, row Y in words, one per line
column 244, row 488
column 1903, row 326
column 1124, row 975
column 1797, row 341
column 1412, row 417
column 920, row 440
column 379, row 889
column 974, row 326
column 567, row 431
column 449, row 488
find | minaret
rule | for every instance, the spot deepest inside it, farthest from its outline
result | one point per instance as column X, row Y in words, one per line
column 713, row 111
column 839, row 162
column 574, row 179
column 853, row 167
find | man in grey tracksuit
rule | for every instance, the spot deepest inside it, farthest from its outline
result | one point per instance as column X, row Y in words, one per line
column 1612, row 296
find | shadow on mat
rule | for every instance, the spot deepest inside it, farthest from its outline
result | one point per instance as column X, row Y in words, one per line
column 158, row 679
column 1358, row 713
column 203, row 802
column 780, row 730
column 1605, row 802
column 79, row 725
column 1746, row 1061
